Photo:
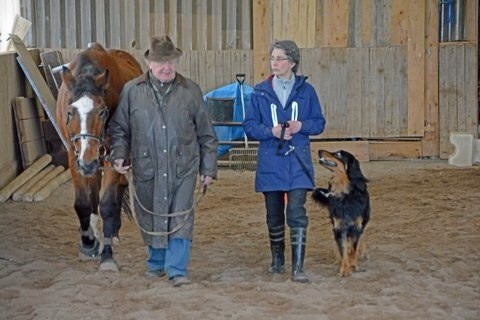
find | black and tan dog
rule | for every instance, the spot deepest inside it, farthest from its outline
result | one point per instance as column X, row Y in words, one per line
column 348, row 203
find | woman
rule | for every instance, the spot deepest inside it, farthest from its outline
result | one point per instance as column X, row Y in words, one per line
column 283, row 113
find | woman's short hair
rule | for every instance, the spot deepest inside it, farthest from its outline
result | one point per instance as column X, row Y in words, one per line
column 291, row 51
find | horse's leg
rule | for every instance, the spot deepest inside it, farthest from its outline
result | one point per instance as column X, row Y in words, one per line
column 86, row 202
column 110, row 208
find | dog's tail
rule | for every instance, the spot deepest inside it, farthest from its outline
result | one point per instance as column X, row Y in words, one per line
column 321, row 196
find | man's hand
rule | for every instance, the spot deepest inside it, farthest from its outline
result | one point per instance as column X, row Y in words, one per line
column 119, row 166
column 205, row 180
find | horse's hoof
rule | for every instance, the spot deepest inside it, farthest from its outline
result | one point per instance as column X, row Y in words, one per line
column 86, row 253
column 108, row 265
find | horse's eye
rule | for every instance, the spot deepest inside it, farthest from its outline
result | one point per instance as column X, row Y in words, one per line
column 104, row 113
column 69, row 116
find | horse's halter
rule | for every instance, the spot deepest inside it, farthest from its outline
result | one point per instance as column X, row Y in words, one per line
column 102, row 149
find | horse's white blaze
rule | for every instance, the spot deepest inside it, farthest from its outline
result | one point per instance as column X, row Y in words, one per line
column 83, row 105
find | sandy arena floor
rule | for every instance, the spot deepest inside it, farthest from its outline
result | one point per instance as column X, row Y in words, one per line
column 423, row 243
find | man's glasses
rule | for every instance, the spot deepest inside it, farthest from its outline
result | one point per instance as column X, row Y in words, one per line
column 278, row 58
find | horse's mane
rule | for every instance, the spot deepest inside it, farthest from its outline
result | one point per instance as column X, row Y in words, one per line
column 85, row 71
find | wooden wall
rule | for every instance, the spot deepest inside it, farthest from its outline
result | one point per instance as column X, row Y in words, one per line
column 458, row 98
column 12, row 84
column 377, row 65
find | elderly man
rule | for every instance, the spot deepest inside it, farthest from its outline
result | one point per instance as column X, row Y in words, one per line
column 162, row 125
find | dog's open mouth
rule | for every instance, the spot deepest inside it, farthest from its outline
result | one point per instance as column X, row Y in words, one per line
column 326, row 162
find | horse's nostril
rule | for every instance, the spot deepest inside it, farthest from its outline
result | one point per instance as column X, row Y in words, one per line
column 87, row 169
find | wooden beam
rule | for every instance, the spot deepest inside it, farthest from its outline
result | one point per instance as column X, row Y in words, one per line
column 261, row 39
column 430, row 142
column 416, row 67
column 37, row 81
column 358, row 148
column 395, row 150
column 26, row 175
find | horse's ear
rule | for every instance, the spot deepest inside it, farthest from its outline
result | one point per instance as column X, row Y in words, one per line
column 101, row 81
column 68, row 78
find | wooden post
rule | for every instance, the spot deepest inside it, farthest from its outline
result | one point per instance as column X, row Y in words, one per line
column 261, row 39
column 416, row 67
column 430, row 141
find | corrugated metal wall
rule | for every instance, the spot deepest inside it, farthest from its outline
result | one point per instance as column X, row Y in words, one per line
column 194, row 24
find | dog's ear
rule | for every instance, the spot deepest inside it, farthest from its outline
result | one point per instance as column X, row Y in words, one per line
column 353, row 169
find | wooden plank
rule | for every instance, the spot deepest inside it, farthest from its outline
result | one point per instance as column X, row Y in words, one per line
column 50, row 60
column 377, row 91
column 292, row 21
column 360, row 149
column 391, row 96
column 430, row 142
column 471, row 93
column 71, row 30
column 325, row 89
column 416, row 67
column 53, row 184
column 338, row 79
column 460, row 85
column 471, row 20
column 443, row 102
column 311, row 23
column 31, row 151
column 354, row 93
column 319, row 21
column 17, row 195
column 399, row 22
column 29, row 195
column 37, row 81
column 261, row 38
column 210, row 70
column 339, row 13
column 366, row 98
column 26, row 175
column 277, row 19
column 328, row 21
column 395, row 150
column 302, row 20
column 366, row 22
column 29, row 131
column 452, row 95
column 12, row 84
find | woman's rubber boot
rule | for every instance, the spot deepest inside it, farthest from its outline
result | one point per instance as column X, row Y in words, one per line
column 277, row 246
column 298, row 239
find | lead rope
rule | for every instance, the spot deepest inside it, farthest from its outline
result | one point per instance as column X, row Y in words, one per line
column 133, row 196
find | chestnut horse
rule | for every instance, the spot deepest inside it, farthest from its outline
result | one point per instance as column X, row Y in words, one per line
column 91, row 85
